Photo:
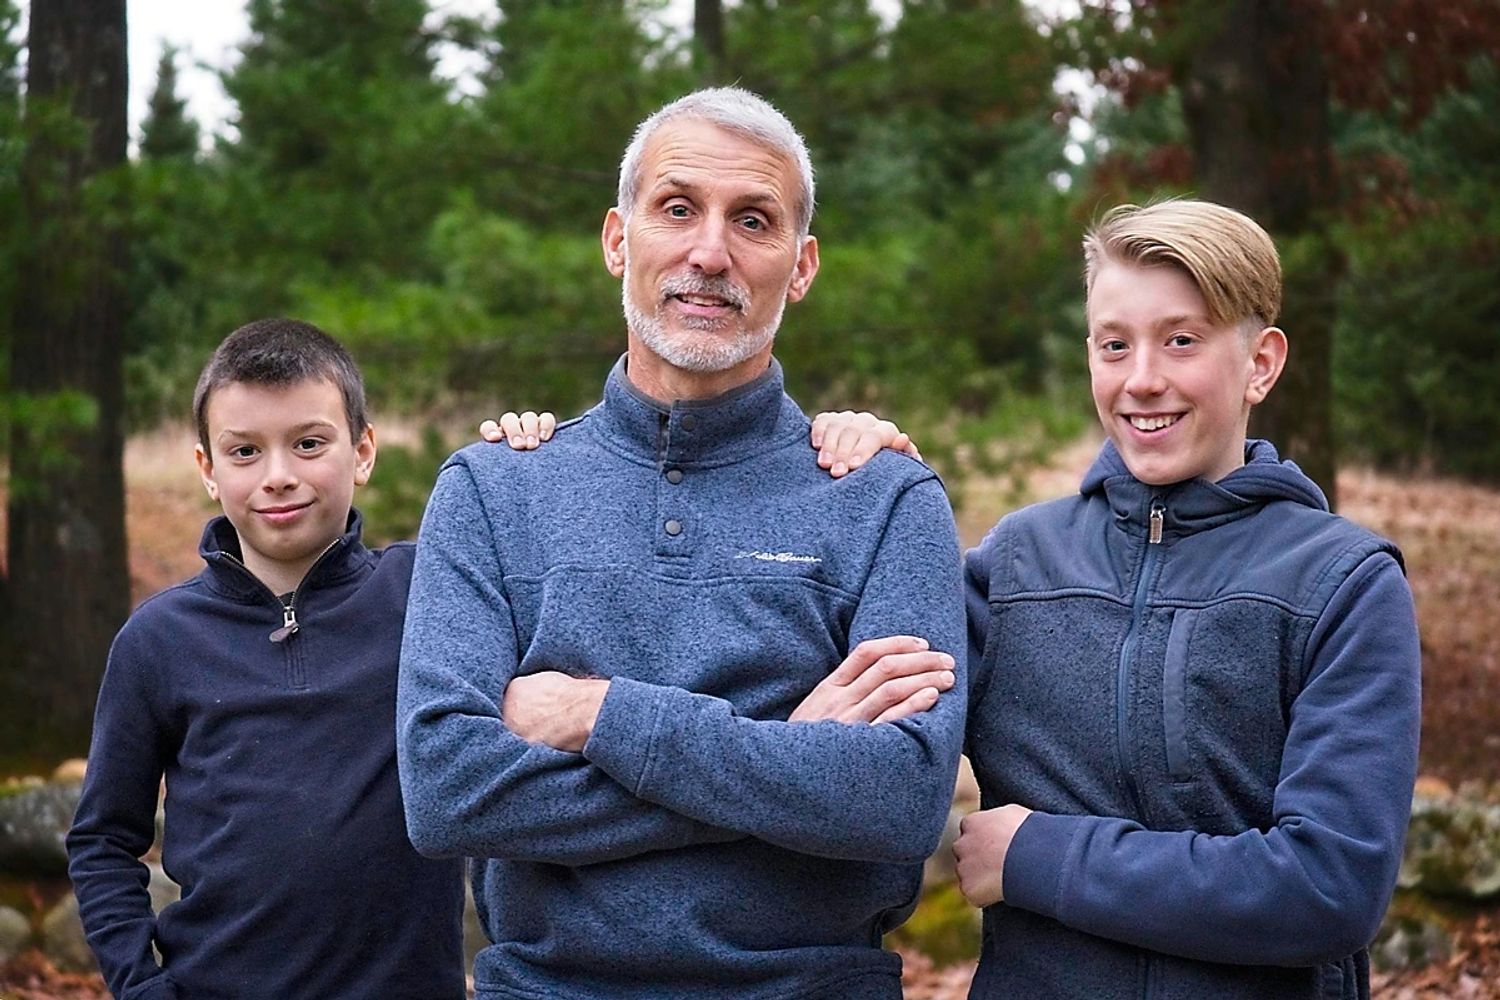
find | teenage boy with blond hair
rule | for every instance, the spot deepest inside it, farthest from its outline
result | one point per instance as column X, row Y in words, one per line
column 264, row 690
column 1194, row 696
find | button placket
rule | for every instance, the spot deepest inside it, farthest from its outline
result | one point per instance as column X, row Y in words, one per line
column 673, row 530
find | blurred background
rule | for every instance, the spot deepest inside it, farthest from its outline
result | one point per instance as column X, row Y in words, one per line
column 426, row 181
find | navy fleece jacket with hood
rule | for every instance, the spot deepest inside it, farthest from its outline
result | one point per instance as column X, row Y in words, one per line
column 283, row 810
column 1218, row 731
column 700, row 846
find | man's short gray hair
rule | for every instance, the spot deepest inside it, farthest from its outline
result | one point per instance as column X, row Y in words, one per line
column 734, row 110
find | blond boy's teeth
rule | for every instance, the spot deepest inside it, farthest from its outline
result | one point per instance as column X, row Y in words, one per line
column 1153, row 423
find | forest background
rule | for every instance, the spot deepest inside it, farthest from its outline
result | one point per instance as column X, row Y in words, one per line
column 451, row 238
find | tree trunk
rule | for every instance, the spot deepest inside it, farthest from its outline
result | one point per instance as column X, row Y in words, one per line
column 68, row 588
column 708, row 36
column 1256, row 100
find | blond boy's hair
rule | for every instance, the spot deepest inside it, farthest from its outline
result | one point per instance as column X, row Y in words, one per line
column 1229, row 257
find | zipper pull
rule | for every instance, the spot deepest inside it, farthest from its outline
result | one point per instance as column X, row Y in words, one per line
column 1158, row 518
column 288, row 625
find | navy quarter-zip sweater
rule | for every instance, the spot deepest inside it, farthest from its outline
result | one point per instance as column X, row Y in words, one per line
column 283, row 810
column 1218, row 730
column 700, row 846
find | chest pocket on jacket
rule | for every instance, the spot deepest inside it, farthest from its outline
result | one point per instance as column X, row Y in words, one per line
column 1227, row 677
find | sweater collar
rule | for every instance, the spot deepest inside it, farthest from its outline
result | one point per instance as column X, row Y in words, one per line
column 226, row 572
column 710, row 431
column 1197, row 504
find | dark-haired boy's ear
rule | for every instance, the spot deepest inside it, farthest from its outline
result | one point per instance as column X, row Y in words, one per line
column 613, row 240
column 206, row 471
column 1268, row 351
column 364, row 456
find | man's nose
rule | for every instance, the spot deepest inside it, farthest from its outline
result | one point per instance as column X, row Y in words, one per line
column 710, row 249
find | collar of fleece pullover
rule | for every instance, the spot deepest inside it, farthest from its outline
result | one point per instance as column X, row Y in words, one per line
column 227, row 575
column 731, row 427
column 1197, row 504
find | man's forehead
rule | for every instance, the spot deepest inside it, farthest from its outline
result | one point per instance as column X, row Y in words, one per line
column 695, row 153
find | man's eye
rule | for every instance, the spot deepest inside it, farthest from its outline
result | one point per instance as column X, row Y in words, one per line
column 677, row 211
column 754, row 223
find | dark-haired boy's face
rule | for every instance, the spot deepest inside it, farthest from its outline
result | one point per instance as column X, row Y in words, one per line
column 281, row 463
column 1173, row 390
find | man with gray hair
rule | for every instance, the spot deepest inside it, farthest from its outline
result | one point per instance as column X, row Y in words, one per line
column 674, row 688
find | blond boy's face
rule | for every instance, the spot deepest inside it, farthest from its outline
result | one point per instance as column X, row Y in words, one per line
column 282, row 465
column 1172, row 389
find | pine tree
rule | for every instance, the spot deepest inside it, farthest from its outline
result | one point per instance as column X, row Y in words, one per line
column 167, row 130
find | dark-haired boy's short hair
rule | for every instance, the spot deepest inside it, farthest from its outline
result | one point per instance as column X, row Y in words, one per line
column 281, row 352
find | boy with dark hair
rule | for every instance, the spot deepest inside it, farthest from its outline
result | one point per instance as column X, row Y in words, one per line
column 1194, row 697
column 264, row 690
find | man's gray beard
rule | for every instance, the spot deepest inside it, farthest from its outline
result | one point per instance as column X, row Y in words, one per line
column 712, row 352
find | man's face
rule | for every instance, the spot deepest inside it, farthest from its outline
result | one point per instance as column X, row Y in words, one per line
column 711, row 253
column 282, row 465
column 1173, row 390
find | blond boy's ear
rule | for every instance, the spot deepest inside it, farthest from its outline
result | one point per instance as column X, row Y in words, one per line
column 206, row 471
column 364, row 456
column 1268, row 350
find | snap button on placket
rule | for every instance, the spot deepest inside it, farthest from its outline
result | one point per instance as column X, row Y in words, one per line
column 673, row 528
column 674, row 476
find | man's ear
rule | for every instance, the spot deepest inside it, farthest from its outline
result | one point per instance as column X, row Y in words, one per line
column 806, row 270
column 613, row 240
column 364, row 456
column 1268, row 350
column 206, row 470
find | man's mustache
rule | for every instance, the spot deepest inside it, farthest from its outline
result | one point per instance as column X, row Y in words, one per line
column 701, row 284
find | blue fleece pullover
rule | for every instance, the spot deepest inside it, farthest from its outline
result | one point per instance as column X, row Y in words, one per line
column 700, row 846
column 1218, row 730
column 283, row 810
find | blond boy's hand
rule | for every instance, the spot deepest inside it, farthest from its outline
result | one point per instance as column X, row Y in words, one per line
column 881, row 680
column 524, row 431
column 846, row 440
column 983, row 841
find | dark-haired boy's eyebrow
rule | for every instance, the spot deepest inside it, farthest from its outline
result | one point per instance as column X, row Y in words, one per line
column 303, row 428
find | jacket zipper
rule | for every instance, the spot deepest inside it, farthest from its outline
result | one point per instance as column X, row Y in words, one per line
column 1127, row 654
column 289, row 624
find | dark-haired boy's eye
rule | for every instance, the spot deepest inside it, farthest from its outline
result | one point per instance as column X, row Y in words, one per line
column 309, row 444
column 243, row 451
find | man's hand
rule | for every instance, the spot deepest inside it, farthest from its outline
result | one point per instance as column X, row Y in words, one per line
column 881, row 680
column 983, row 840
column 846, row 440
column 553, row 708
column 525, row 431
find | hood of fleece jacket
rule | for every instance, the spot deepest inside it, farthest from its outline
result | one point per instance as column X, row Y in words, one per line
column 1197, row 503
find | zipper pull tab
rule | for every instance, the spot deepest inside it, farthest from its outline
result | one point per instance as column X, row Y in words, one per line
column 288, row 625
column 1158, row 518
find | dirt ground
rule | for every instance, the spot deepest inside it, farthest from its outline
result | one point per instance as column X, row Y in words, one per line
column 1448, row 530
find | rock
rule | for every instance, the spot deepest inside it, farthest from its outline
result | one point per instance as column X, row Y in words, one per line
column 164, row 892
column 475, row 939
column 15, row 932
column 1453, row 847
column 1408, row 941
column 62, row 938
column 33, row 822
column 70, row 772
column 939, row 868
